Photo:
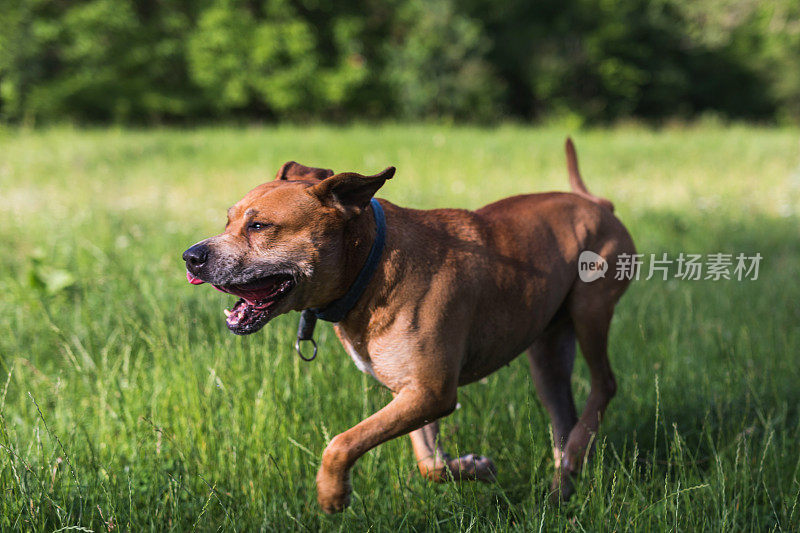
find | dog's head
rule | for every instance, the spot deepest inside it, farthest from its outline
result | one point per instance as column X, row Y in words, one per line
column 285, row 243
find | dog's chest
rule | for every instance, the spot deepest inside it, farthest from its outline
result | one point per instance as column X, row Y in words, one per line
column 362, row 362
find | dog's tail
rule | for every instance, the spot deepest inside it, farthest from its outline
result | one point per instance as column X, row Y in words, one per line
column 575, row 181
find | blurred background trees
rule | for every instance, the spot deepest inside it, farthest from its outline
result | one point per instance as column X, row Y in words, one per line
column 151, row 61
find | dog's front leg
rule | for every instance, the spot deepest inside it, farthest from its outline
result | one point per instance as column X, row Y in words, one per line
column 412, row 407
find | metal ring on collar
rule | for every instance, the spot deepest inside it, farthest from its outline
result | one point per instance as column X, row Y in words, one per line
column 300, row 352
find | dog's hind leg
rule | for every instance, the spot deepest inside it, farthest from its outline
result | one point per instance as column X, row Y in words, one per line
column 591, row 317
column 436, row 465
column 551, row 359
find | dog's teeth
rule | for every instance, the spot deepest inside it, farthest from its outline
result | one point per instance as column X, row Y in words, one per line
column 227, row 312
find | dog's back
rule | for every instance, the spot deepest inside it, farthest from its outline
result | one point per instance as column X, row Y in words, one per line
column 517, row 257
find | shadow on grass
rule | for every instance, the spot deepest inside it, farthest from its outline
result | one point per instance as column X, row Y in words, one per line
column 725, row 352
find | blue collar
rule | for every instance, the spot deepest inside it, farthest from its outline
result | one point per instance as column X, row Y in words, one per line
column 338, row 309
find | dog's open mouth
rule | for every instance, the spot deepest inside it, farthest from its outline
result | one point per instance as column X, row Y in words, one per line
column 257, row 303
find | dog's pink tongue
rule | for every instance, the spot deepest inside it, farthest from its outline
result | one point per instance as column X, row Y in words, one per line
column 193, row 280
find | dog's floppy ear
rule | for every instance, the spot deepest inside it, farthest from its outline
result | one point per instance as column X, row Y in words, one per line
column 350, row 192
column 292, row 170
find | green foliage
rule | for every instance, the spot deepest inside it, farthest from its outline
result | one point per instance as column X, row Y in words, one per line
column 218, row 54
column 476, row 60
column 275, row 60
column 436, row 63
column 97, row 59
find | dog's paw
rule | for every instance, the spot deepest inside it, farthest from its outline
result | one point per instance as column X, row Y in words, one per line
column 562, row 487
column 333, row 492
column 472, row 467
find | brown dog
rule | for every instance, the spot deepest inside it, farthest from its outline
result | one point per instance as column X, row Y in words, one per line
column 454, row 296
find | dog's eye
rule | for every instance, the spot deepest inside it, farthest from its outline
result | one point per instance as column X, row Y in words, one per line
column 256, row 226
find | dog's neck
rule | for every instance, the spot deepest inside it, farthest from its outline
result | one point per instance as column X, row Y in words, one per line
column 363, row 248
column 359, row 234
column 355, row 235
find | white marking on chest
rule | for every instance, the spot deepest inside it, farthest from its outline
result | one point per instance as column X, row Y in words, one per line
column 362, row 363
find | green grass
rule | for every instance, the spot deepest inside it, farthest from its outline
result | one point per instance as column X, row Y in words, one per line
column 125, row 402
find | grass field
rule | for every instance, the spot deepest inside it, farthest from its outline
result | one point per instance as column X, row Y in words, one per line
column 126, row 404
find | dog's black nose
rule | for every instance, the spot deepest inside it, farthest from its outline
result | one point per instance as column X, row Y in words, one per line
column 196, row 255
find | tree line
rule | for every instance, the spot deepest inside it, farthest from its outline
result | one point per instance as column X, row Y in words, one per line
column 153, row 61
